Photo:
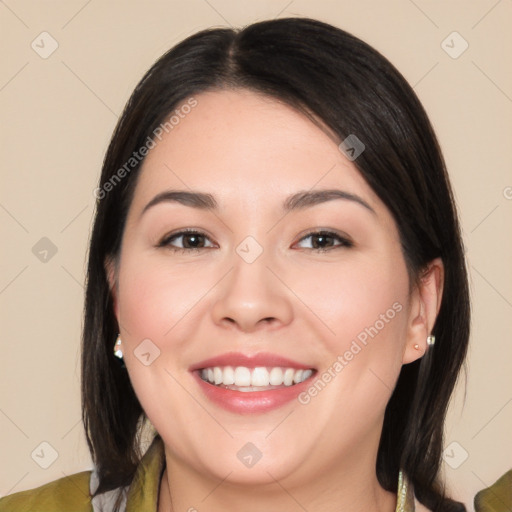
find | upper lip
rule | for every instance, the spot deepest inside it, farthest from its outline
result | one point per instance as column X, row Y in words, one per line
column 249, row 361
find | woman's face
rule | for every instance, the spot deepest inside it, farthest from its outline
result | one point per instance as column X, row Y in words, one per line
column 256, row 278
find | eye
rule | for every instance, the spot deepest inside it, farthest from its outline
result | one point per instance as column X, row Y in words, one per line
column 193, row 240
column 186, row 241
column 323, row 241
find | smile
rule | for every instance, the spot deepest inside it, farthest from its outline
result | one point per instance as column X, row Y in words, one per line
column 257, row 379
column 251, row 383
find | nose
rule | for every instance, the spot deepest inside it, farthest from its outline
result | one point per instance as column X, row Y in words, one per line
column 251, row 298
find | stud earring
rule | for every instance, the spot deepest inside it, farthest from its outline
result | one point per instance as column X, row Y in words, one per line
column 416, row 347
column 117, row 347
column 431, row 340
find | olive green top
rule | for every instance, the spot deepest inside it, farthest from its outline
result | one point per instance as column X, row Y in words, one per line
column 497, row 497
column 72, row 493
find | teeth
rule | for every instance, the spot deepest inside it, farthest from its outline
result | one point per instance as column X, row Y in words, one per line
column 276, row 376
column 288, row 376
column 228, row 376
column 217, row 375
column 258, row 377
column 242, row 376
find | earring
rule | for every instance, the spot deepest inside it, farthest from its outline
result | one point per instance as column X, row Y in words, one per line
column 431, row 340
column 416, row 347
column 117, row 347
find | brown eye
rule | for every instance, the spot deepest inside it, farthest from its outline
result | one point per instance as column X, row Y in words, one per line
column 324, row 241
column 186, row 241
column 193, row 241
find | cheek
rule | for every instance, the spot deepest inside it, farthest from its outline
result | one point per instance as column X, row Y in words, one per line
column 363, row 300
column 365, row 308
column 154, row 297
column 157, row 303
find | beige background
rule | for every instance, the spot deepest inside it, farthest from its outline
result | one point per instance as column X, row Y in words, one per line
column 58, row 115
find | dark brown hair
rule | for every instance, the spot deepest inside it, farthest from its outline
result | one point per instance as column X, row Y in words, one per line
column 327, row 73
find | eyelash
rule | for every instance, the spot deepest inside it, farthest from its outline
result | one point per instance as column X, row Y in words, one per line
column 165, row 242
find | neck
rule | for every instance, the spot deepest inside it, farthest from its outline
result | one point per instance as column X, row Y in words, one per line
column 345, row 489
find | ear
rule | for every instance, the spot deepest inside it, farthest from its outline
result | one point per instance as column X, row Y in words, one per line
column 425, row 304
column 111, row 273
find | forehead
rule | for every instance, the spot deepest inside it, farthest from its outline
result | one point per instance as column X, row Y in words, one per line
column 245, row 146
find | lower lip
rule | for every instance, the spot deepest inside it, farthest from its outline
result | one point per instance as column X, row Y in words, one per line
column 251, row 401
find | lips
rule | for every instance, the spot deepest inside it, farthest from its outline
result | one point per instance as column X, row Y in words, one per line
column 249, row 361
column 251, row 400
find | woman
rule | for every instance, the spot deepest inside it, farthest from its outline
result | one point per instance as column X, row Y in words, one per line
column 276, row 284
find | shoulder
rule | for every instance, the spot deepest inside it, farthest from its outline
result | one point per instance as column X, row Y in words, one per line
column 496, row 497
column 69, row 494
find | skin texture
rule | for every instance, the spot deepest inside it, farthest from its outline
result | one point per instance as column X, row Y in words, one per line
column 251, row 152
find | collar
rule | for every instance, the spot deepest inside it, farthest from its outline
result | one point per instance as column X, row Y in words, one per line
column 142, row 493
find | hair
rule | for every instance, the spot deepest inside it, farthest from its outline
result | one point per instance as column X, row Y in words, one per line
column 331, row 76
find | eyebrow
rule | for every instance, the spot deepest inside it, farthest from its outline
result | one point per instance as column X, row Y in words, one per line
column 297, row 201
